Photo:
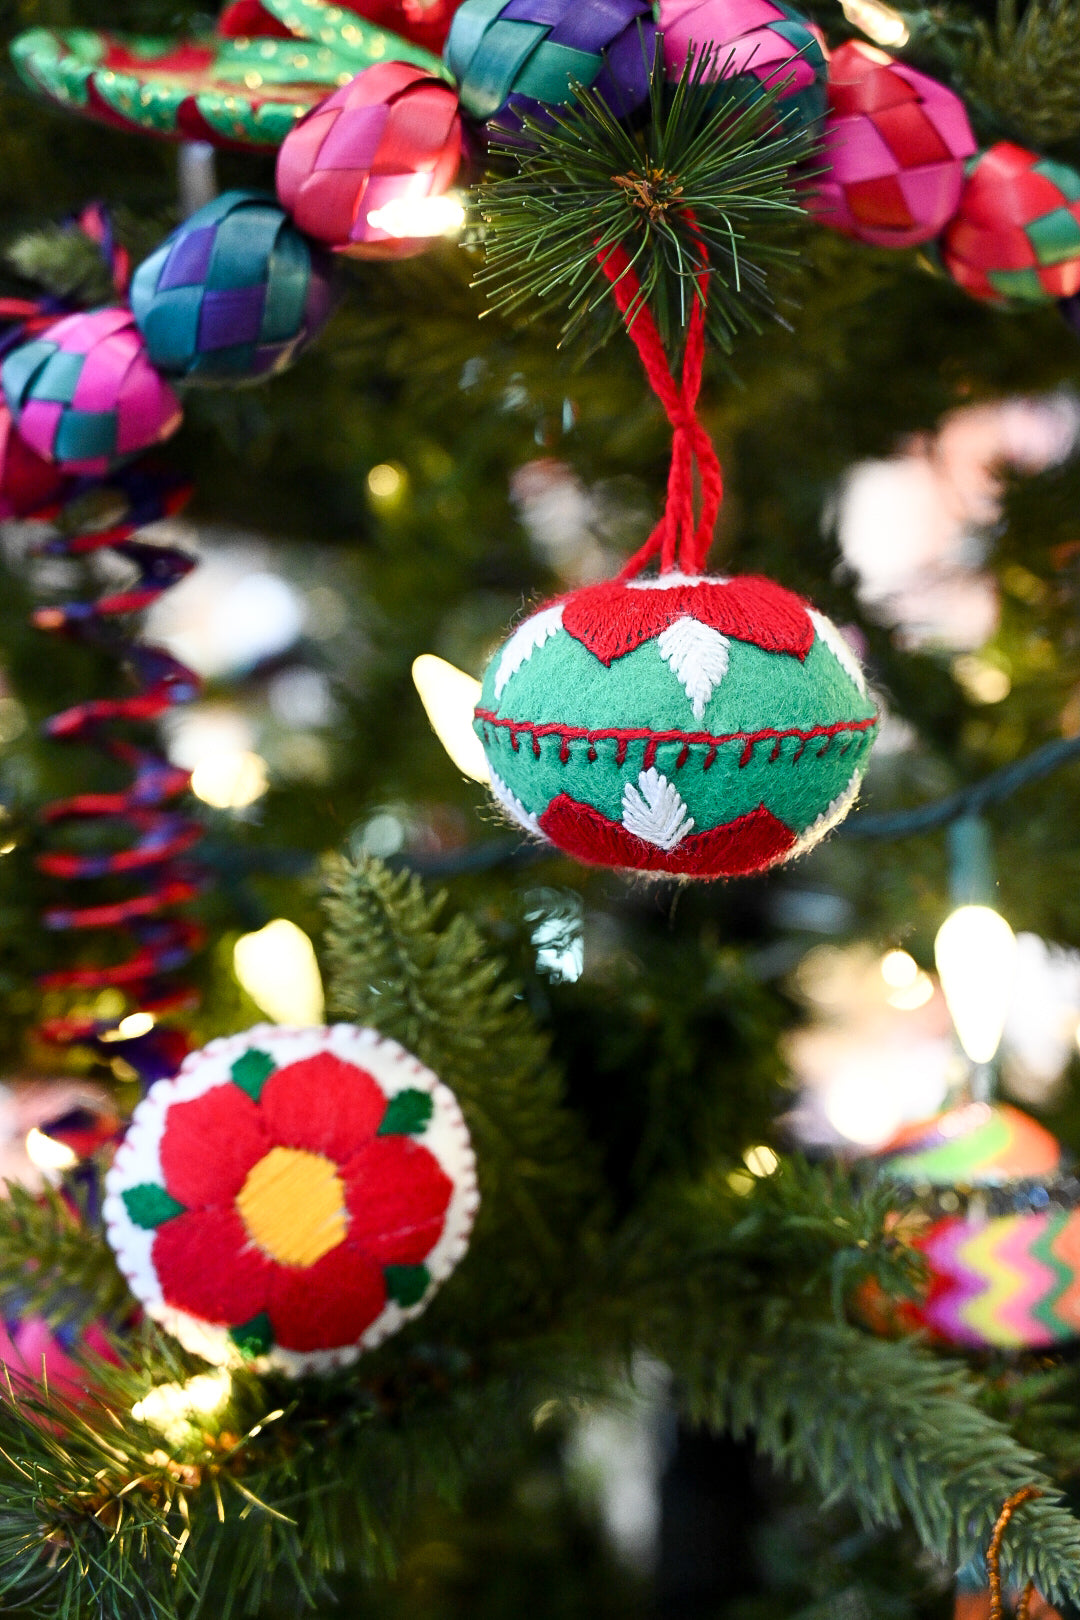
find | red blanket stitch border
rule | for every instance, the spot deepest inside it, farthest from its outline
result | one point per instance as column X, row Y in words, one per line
column 652, row 739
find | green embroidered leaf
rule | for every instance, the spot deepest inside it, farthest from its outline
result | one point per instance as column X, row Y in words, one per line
column 149, row 1205
column 407, row 1114
column 253, row 1338
column 251, row 1072
column 406, row 1285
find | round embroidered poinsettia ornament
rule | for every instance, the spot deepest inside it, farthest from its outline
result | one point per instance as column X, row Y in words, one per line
column 680, row 723
column 293, row 1196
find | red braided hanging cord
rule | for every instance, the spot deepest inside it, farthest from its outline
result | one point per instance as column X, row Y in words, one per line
column 679, row 542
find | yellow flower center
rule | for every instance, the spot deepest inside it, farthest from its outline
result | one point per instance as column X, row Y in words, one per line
column 293, row 1205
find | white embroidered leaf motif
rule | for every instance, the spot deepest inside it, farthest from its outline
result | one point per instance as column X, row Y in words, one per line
column 840, row 647
column 524, row 642
column 698, row 656
column 655, row 810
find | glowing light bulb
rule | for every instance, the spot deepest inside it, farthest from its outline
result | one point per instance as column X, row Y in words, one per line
column 278, row 969
column 385, row 481
column 975, row 951
column 449, row 696
column 46, row 1154
column 173, row 1409
column 420, row 216
column 877, row 21
column 230, row 781
column 139, row 1023
column 899, row 970
column 761, row 1160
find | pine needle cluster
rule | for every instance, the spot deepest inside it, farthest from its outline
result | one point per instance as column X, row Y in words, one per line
column 1024, row 68
column 707, row 182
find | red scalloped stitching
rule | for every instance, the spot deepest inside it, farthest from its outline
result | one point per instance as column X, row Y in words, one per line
column 611, row 618
column 749, row 844
column 622, row 735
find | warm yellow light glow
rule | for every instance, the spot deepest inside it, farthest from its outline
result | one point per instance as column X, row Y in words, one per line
column 983, row 682
column 899, row 970
column 385, row 481
column 278, row 969
column 173, row 1408
column 910, row 997
column 760, row 1161
column 975, row 951
column 140, row 1023
column 449, row 697
column 877, row 21
column 741, row 1182
column 46, row 1154
column 420, row 216
column 230, row 781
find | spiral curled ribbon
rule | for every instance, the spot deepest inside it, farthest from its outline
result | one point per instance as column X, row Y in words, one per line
column 679, row 541
column 145, row 838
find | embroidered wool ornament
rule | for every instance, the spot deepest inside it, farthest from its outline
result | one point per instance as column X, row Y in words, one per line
column 293, row 1196
column 1015, row 238
column 393, row 134
column 894, row 144
column 525, row 55
column 677, row 724
column 999, row 1227
column 233, row 294
column 85, row 395
column 753, row 43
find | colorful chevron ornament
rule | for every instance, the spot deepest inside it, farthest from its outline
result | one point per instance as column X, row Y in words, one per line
column 1005, row 1260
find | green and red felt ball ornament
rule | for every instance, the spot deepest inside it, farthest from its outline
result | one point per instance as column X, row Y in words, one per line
column 679, row 724
column 292, row 1197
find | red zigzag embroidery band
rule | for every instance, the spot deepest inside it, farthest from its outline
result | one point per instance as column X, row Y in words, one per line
column 623, row 735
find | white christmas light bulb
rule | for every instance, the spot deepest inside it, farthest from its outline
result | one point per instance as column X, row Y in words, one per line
column 443, row 215
column 975, row 952
column 278, row 969
column 449, row 697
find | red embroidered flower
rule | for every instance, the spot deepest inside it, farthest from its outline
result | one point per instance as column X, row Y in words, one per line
column 299, row 1204
column 613, row 618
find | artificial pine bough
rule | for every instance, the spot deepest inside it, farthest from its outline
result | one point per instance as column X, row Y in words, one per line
column 166, row 1490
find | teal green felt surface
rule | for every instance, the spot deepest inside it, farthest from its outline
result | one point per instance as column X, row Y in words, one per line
column 563, row 683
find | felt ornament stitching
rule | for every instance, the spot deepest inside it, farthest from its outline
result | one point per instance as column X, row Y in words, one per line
column 293, row 1197
column 684, row 723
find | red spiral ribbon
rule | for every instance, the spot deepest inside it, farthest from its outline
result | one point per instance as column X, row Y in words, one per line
column 146, row 838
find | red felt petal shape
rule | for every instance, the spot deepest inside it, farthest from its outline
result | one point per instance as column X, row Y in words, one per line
column 397, row 1193
column 210, row 1144
column 322, row 1104
column 326, row 1305
column 206, row 1265
column 751, row 843
column 611, row 618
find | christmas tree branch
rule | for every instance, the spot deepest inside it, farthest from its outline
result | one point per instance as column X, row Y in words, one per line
column 893, row 1430
column 1024, row 68
column 395, row 964
column 704, row 184
column 53, row 1262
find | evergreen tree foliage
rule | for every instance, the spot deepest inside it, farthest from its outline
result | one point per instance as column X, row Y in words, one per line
column 610, row 1114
